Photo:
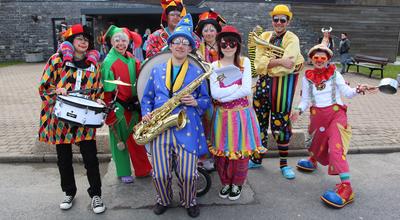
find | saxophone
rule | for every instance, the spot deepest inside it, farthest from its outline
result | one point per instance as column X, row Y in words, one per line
column 162, row 119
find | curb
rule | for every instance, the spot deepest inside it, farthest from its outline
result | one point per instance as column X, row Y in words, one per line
column 105, row 158
column 356, row 150
column 45, row 158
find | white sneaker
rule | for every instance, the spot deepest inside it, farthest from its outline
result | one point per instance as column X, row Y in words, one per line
column 67, row 203
column 98, row 205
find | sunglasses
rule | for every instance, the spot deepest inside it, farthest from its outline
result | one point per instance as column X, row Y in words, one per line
column 317, row 58
column 231, row 44
column 283, row 20
column 178, row 41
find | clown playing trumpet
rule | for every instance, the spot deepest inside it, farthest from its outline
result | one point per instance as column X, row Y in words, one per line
column 277, row 61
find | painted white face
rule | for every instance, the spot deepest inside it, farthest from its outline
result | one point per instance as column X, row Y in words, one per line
column 120, row 42
column 209, row 33
column 81, row 44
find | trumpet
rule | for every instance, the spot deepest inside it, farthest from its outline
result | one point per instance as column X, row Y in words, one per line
column 271, row 50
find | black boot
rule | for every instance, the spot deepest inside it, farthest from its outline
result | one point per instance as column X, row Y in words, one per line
column 159, row 209
column 193, row 211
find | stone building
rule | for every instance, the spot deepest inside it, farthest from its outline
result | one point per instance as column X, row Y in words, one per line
column 32, row 26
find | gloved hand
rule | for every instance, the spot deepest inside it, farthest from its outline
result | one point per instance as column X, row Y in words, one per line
column 67, row 51
column 92, row 57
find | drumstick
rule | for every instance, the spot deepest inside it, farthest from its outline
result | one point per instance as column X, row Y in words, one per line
column 81, row 90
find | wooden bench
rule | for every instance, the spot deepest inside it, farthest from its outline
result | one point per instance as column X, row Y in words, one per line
column 371, row 62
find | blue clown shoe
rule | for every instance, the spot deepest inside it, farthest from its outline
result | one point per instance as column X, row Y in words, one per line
column 253, row 165
column 288, row 173
column 306, row 165
column 341, row 196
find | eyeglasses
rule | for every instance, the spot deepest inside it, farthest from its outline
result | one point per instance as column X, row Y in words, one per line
column 231, row 44
column 317, row 58
column 183, row 42
column 283, row 20
column 175, row 14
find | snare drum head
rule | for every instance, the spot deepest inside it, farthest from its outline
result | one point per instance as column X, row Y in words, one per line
column 150, row 63
column 81, row 101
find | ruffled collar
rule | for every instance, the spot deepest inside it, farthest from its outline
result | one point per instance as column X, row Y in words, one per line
column 319, row 76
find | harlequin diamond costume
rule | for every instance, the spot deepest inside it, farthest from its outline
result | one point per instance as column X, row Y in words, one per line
column 181, row 146
column 276, row 86
column 66, row 71
column 329, row 129
column 121, row 121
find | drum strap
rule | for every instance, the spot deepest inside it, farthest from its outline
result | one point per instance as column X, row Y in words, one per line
column 78, row 79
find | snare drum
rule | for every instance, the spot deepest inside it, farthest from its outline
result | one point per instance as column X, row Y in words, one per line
column 79, row 111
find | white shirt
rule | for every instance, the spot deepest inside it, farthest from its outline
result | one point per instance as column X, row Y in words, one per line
column 323, row 98
column 232, row 92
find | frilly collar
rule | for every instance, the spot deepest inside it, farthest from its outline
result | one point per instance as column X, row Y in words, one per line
column 318, row 76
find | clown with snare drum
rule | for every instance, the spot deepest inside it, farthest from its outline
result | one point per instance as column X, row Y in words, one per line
column 72, row 69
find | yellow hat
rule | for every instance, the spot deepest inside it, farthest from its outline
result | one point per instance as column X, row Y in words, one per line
column 281, row 10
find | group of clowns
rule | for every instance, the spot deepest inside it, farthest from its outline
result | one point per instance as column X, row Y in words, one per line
column 227, row 123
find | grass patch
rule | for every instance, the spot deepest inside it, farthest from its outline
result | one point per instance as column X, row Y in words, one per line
column 9, row 63
column 389, row 71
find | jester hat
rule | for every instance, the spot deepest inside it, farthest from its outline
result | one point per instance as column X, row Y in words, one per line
column 133, row 36
column 171, row 5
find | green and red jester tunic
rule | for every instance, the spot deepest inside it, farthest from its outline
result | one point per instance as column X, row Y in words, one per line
column 55, row 75
column 124, row 68
column 126, row 115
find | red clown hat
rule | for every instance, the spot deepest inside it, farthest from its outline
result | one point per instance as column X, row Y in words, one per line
column 209, row 17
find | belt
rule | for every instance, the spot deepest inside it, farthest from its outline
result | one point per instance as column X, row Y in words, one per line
column 131, row 104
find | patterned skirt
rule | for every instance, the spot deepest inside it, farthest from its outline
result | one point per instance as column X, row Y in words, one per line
column 235, row 133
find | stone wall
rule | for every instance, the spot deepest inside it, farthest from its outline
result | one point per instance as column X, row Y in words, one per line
column 21, row 34
column 246, row 18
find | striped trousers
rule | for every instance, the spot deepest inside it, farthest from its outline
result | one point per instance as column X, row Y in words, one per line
column 274, row 98
column 168, row 155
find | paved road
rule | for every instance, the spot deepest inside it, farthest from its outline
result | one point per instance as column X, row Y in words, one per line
column 31, row 191
column 375, row 119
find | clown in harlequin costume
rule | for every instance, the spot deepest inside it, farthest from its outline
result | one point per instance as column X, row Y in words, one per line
column 173, row 11
column 235, row 130
column 179, row 147
column 121, row 64
column 208, row 27
column 73, row 67
column 329, row 130
column 277, row 84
